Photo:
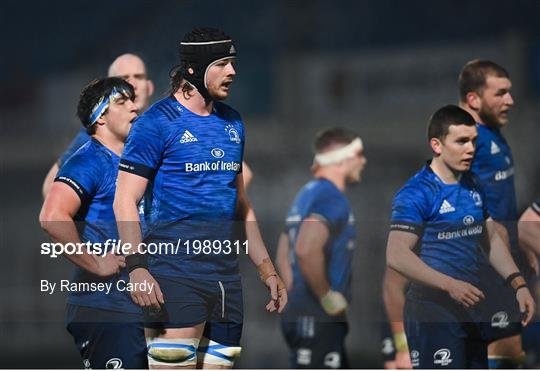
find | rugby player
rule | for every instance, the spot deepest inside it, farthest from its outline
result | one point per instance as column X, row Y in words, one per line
column 129, row 67
column 443, row 208
column 394, row 348
column 106, row 326
column 484, row 89
column 529, row 237
column 319, row 238
column 187, row 149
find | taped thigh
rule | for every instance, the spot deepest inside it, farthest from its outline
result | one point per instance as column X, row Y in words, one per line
column 213, row 353
column 172, row 352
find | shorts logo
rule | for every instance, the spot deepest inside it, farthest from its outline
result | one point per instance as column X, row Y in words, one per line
column 442, row 357
column 187, row 137
column 415, row 358
column 500, row 320
column 303, row 356
column 387, row 346
column 86, row 364
column 332, row 360
column 233, row 134
column 468, row 220
column 113, row 364
column 217, row 153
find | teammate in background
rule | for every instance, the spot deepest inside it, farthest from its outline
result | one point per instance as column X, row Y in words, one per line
column 188, row 148
column 106, row 326
column 529, row 228
column 443, row 208
column 484, row 89
column 394, row 348
column 315, row 254
column 529, row 237
column 132, row 69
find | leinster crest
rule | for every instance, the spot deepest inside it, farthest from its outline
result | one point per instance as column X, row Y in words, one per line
column 233, row 134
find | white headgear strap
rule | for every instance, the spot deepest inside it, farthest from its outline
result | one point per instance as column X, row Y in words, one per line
column 340, row 154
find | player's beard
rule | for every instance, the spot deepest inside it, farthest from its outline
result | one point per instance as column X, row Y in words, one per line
column 489, row 118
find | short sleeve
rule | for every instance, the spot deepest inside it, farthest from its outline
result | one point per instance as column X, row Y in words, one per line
column 81, row 138
column 144, row 147
column 84, row 177
column 409, row 211
column 331, row 209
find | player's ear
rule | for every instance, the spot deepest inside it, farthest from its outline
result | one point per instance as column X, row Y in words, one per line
column 473, row 100
column 436, row 144
column 150, row 87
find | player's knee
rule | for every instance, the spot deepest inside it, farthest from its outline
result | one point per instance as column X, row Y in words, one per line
column 172, row 352
column 214, row 354
column 501, row 362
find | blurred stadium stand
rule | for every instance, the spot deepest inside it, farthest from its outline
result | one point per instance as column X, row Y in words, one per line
column 378, row 67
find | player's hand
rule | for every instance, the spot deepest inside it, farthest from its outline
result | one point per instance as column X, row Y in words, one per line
column 150, row 298
column 403, row 360
column 526, row 305
column 464, row 293
column 108, row 265
column 278, row 294
column 334, row 303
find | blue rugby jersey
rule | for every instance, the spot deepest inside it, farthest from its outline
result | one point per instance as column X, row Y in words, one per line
column 91, row 172
column 449, row 220
column 322, row 199
column 494, row 166
column 191, row 162
column 81, row 138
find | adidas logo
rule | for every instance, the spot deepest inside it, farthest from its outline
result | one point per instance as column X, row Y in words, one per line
column 187, row 137
column 446, row 207
column 494, row 148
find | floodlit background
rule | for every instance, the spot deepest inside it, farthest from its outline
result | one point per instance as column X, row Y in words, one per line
column 379, row 67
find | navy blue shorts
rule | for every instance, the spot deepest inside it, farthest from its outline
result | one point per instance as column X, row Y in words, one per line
column 442, row 334
column 500, row 313
column 315, row 344
column 107, row 339
column 189, row 302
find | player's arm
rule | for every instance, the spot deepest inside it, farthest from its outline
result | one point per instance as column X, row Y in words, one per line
column 247, row 174
column 282, row 261
column 129, row 191
column 501, row 259
column 257, row 251
column 529, row 230
column 400, row 257
column 49, row 179
column 394, row 286
column 56, row 218
column 312, row 238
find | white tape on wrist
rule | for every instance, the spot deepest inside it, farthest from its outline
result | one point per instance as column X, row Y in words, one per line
column 333, row 302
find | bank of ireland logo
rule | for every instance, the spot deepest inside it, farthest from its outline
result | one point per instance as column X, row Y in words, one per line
column 442, row 357
column 500, row 320
column 217, row 152
column 233, row 134
column 113, row 364
column 468, row 220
